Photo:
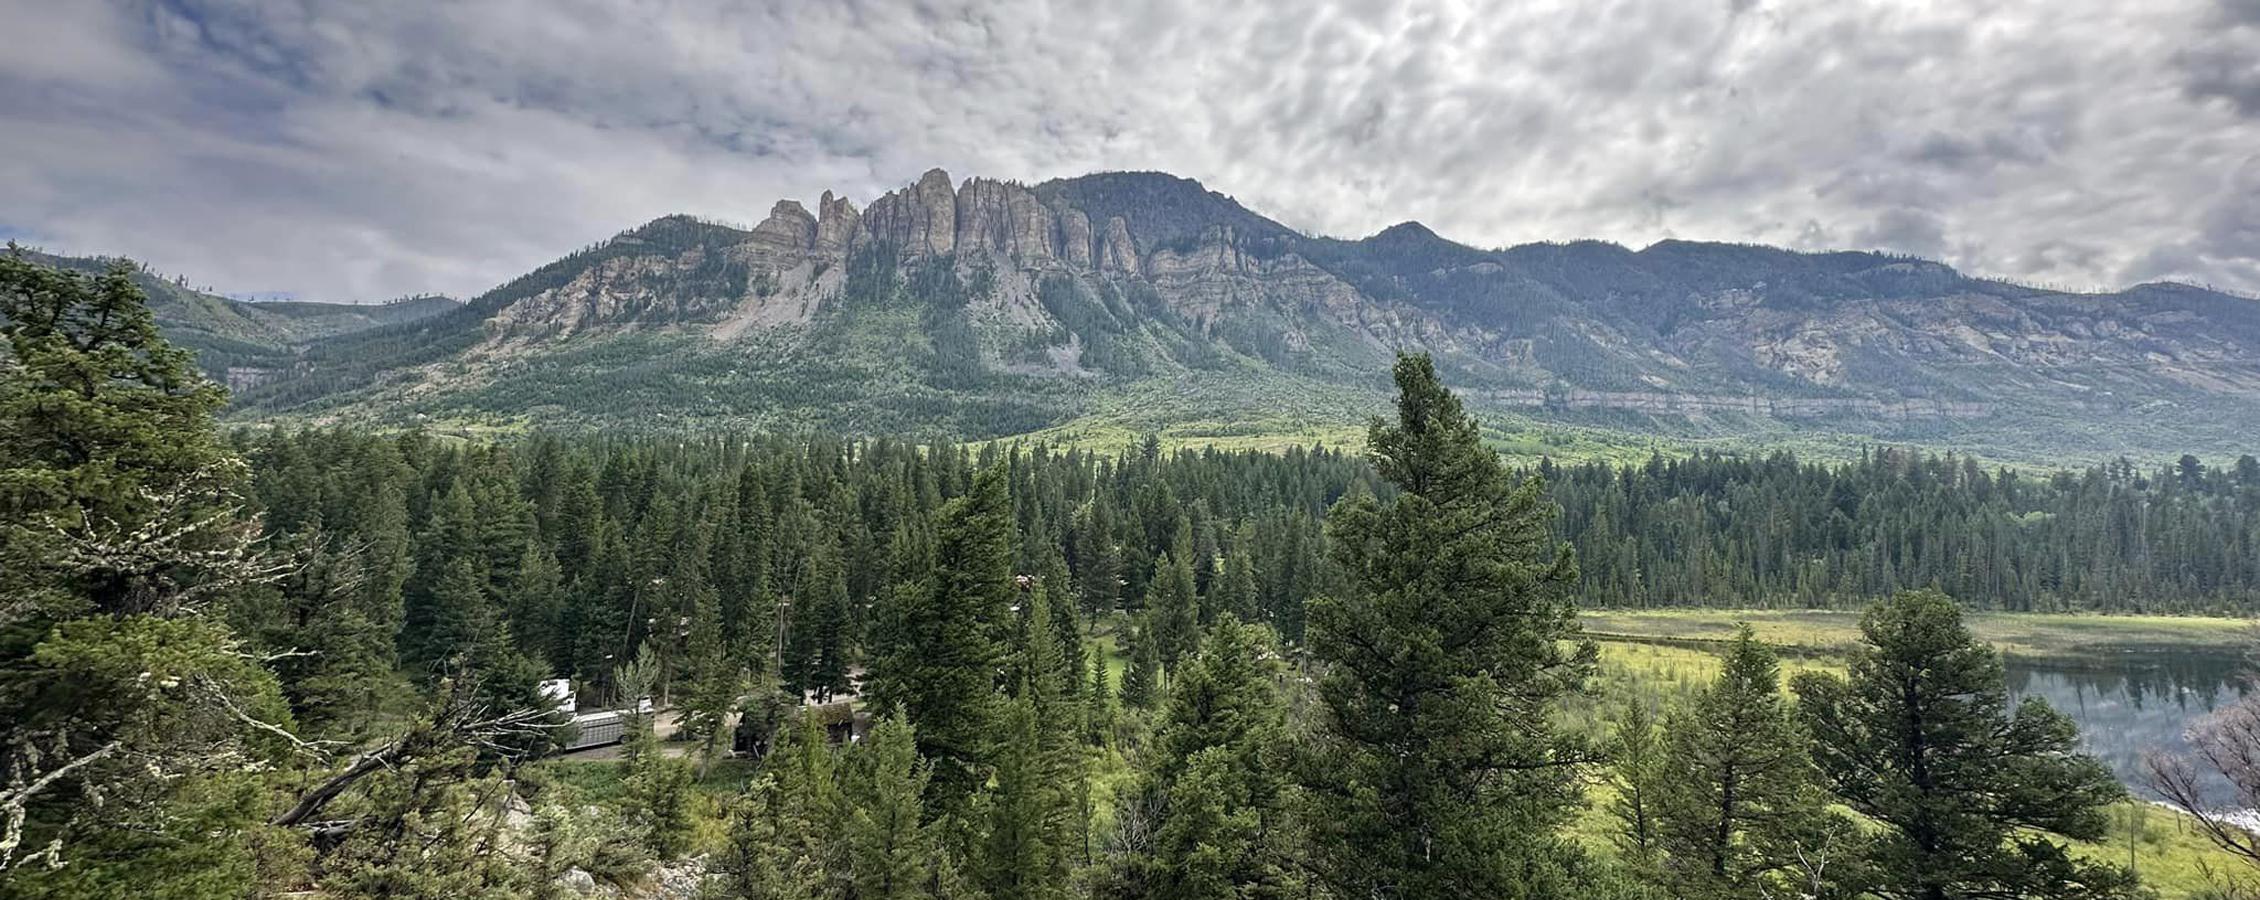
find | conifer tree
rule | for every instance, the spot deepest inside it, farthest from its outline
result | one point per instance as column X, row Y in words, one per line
column 535, row 603
column 1920, row 739
column 1235, row 587
column 1739, row 792
column 810, row 794
column 763, row 856
column 715, row 679
column 1044, row 676
column 1020, row 857
column 1435, row 771
column 1141, row 679
column 134, row 722
column 450, row 571
column 1098, row 702
column 1060, row 763
column 554, row 847
column 332, row 652
column 941, row 672
column 432, row 834
column 1173, row 609
column 1098, row 565
column 891, row 852
column 1637, row 774
column 1214, row 774
column 461, row 615
column 817, row 652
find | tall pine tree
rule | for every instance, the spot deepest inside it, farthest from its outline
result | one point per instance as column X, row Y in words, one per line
column 1738, row 795
column 941, row 671
column 1435, row 770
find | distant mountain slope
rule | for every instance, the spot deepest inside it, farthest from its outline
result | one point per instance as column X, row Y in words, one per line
column 240, row 341
column 1144, row 300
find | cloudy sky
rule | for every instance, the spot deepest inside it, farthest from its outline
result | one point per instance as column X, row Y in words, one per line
column 339, row 149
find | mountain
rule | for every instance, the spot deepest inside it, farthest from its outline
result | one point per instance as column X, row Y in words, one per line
column 240, row 342
column 1128, row 301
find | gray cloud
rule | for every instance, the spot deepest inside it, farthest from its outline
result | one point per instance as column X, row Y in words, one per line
column 355, row 150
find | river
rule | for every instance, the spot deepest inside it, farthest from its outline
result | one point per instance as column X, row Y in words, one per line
column 2131, row 702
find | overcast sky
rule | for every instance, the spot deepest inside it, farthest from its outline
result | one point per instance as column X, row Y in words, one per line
column 339, row 149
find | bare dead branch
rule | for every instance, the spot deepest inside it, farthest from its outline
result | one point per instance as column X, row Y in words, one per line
column 22, row 787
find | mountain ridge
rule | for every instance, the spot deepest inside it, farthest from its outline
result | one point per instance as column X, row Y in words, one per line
column 981, row 308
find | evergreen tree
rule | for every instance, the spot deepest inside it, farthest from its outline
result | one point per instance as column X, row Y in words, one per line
column 1637, row 775
column 461, row 615
column 716, row 681
column 1208, row 847
column 1020, row 858
column 555, row 848
column 432, row 833
column 535, row 601
column 810, row 800
column 1098, row 563
column 1045, row 674
column 103, row 419
column 941, row 674
column 121, row 555
column 1919, row 738
column 761, row 857
column 817, row 658
column 1739, row 789
column 1435, row 770
column 1213, row 776
column 1235, row 590
column 332, row 652
column 891, row 852
column 451, row 570
column 658, row 797
column 1141, row 679
column 1059, row 764
column 1173, row 609
column 1098, row 702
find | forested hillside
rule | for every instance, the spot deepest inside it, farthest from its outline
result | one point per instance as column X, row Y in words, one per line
column 240, row 343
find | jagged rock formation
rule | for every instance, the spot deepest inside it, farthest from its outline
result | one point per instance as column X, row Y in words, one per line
column 988, row 307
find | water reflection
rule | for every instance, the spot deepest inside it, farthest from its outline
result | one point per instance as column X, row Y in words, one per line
column 2132, row 702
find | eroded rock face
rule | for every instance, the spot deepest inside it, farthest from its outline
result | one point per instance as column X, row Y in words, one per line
column 1004, row 220
column 1075, row 237
column 622, row 291
column 918, row 220
column 1119, row 253
column 789, row 229
column 939, row 202
column 836, row 223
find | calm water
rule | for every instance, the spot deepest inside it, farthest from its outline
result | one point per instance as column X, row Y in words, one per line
column 2132, row 702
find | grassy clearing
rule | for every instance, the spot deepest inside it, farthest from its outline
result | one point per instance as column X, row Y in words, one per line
column 2024, row 634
